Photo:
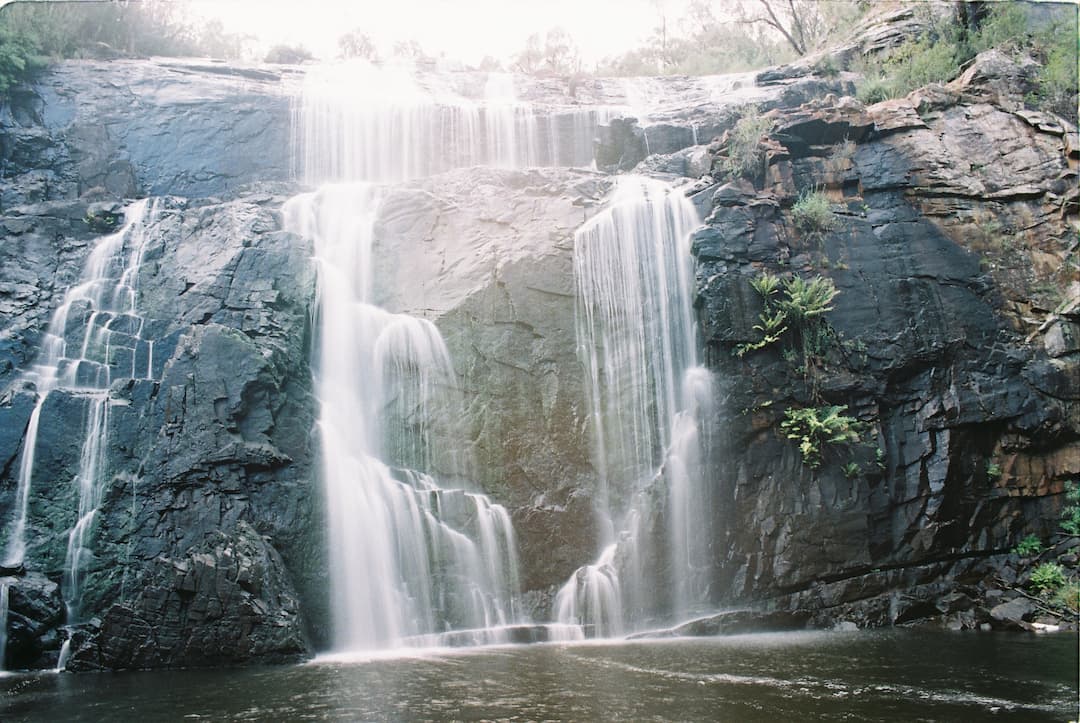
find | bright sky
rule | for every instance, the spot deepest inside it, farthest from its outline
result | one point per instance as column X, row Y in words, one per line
column 463, row 29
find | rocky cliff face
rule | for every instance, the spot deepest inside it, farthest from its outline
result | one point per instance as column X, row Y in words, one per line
column 128, row 128
column 207, row 549
column 952, row 242
column 209, row 459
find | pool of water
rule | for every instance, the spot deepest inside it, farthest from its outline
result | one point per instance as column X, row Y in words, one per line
column 885, row 675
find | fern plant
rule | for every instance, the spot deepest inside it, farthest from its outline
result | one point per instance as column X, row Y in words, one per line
column 1030, row 545
column 816, row 427
column 767, row 284
column 808, row 299
column 1048, row 577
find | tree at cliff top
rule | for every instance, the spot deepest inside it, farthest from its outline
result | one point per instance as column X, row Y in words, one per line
column 950, row 40
column 51, row 30
column 18, row 58
column 726, row 38
column 800, row 22
column 556, row 55
column 357, row 44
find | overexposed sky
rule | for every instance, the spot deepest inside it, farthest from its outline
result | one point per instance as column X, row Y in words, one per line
column 466, row 30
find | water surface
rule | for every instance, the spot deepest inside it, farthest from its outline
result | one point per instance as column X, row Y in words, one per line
column 887, row 675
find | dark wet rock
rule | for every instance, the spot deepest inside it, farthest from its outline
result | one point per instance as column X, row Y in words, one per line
column 215, row 446
column 225, row 601
column 950, row 227
column 502, row 294
column 824, row 123
column 34, row 612
column 621, row 145
column 1013, row 615
column 124, row 128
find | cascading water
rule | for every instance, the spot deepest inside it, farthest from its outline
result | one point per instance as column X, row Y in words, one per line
column 94, row 339
column 649, row 400
column 361, row 122
column 413, row 561
column 408, row 558
column 3, row 622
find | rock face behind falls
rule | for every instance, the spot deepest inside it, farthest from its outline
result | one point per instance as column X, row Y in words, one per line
column 954, row 339
column 208, row 544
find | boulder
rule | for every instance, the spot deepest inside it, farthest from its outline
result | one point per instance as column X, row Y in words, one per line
column 1012, row 615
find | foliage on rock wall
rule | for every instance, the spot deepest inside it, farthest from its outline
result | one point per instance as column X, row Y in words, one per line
column 800, row 309
column 937, row 57
column 18, row 57
column 816, row 428
column 33, row 33
column 812, row 212
column 1070, row 514
column 745, row 153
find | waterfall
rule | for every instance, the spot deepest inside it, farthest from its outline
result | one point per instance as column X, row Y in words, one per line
column 414, row 559
column 360, row 122
column 3, row 622
column 94, row 338
column 648, row 401
column 408, row 557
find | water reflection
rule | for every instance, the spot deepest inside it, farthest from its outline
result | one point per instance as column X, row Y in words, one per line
column 890, row 675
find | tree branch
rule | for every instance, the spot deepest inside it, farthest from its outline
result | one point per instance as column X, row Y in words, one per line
column 774, row 21
column 796, row 23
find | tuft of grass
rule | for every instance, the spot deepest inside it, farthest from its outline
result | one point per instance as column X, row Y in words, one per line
column 841, row 156
column 1068, row 596
column 875, row 88
column 813, row 213
column 745, row 153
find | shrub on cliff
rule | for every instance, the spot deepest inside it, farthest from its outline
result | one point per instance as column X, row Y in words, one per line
column 287, row 54
column 1070, row 513
column 744, row 150
column 1030, row 545
column 1057, row 80
column 57, row 30
column 812, row 212
column 18, row 58
column 1048, row 577
column 937, row 55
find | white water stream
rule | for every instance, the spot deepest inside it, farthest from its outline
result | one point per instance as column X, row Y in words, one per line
column 649, row 399
column 94, row 339
column 408, row 557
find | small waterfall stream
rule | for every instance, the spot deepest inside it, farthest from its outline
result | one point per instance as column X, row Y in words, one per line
column 649, row 399
column 94, row 338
